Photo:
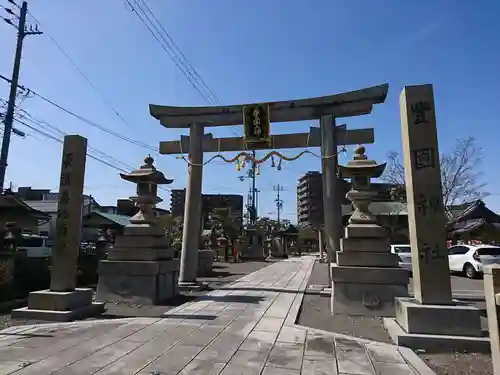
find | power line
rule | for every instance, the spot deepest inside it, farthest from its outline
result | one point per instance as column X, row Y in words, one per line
column 100, row 160
column 61, row 141
column 166, row 42
column 85, row 120
column 23, row 114
column 43, row 124
column 9, row 11
column 80, row 71
column 191, row 71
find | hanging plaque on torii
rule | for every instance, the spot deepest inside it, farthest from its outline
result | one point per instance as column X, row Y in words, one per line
column 257, row 126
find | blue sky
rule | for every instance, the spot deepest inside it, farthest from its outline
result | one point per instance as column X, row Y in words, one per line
column 263, row 50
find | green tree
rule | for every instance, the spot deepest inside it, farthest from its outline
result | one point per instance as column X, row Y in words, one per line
column 228, row 224
column 173, row 226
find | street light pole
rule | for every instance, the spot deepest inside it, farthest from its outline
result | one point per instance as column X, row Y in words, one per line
column 252, row 173
column 254, row 206
column 279, row 202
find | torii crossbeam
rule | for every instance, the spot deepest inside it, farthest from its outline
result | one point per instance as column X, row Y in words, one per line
column 349, row 104
column 326, row 108
column 279, row 141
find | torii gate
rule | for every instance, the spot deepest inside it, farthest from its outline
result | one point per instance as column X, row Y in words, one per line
column 326, row 108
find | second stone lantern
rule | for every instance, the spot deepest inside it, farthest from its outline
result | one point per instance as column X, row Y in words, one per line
column 140, row 268
column 366, row 277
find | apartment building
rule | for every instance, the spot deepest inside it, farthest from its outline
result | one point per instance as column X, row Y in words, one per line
column 310, row 199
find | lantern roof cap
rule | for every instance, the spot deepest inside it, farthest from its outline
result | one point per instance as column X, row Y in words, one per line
column 147, row 173
column 361, row 166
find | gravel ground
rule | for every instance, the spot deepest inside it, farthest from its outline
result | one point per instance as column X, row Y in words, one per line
column 459, row 363
column 315, row 313
column 223, row 273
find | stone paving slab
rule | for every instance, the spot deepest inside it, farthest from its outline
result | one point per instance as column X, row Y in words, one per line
column 245, row 328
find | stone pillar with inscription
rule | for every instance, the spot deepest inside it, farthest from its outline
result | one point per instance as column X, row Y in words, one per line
column 63, row 301
column 424, row 320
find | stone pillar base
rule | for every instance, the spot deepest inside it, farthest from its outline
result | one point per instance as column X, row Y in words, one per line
column 59, row 306
column 368, row 291
column 192, row 286
column 437, row 327
column 138, row 282
column 253, row 252
column 205, row 262
column 278, row 256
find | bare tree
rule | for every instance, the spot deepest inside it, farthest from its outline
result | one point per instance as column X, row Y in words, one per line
column 460, row 173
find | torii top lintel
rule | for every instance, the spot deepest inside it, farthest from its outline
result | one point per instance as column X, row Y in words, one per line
column 354, row 103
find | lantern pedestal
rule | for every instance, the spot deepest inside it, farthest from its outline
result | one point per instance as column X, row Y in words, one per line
column 140, row 269
column 252, row 249
column 278, row 250
column 205, row 262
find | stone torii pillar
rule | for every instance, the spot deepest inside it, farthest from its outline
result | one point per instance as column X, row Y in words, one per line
column 348, row 104
column 192, row 209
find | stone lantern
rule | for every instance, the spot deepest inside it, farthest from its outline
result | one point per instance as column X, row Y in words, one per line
column 360, row 171
column 101, row 244
column 8, row 247
column 147, row 178
column 366, row 277
column 140, row 267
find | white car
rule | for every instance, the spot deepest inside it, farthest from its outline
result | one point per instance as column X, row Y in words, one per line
column 34, row 246
column 470, row 259
column 404, row 253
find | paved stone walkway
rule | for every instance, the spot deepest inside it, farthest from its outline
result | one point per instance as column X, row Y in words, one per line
column 246, row 328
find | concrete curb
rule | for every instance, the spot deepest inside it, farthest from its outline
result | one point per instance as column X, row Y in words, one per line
column 434, row 343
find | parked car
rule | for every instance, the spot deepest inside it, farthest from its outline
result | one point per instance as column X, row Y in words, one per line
column 34, row 246
column 470, row 259
column 404, row 253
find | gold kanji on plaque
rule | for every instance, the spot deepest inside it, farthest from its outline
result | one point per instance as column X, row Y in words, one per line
column 256, row 123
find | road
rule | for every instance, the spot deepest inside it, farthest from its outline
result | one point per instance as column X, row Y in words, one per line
column 461, row 286
column 467, row 290
column 464, row 287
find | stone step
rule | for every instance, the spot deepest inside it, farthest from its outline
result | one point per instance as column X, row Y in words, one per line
column 366, row 259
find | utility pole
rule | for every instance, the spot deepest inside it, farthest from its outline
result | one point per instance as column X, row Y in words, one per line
column 279, row 202
column 254, row 190
column 252, row 194
column 22, row 32
column 257, row 191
